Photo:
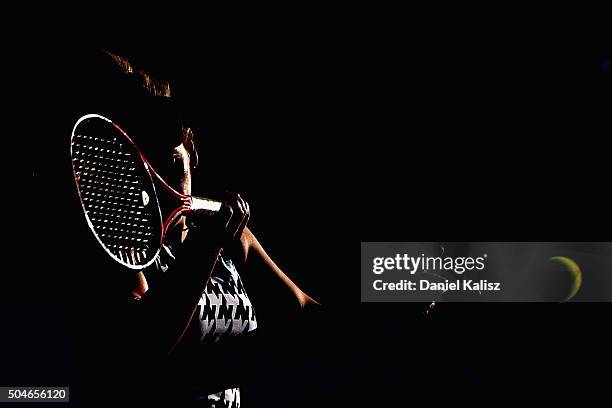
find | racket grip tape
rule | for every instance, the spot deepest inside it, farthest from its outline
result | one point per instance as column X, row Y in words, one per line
column 205, row 204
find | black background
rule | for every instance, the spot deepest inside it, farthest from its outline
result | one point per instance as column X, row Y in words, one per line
column 341, row 127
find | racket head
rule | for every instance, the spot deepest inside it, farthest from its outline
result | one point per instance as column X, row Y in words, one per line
column 116, row 190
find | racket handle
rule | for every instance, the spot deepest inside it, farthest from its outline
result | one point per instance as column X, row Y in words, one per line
column 206, row 204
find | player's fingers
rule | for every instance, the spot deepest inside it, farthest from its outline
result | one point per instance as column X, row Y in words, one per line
column 240, row 203
column 246, row 215
column 244, row 222
column 237, row 216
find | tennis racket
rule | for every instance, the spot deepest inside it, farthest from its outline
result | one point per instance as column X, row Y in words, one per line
column 118, row 189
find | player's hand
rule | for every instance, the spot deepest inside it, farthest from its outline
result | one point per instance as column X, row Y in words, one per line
column 237, row 212
column 225, row 226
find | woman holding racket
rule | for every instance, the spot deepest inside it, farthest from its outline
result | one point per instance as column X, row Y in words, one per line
column 188, row 309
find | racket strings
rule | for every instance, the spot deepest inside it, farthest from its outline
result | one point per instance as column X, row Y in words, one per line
column 114, row 197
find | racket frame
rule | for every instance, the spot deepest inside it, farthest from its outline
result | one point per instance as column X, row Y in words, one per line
column 187, row 203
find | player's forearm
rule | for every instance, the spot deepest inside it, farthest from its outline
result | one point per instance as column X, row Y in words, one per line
column 164, row 312
column 255, row 258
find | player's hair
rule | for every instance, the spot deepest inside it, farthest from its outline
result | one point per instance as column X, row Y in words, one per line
column 137, row 78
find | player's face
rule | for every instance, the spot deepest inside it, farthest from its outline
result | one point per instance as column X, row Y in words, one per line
column 179, row 178
column 181, row 168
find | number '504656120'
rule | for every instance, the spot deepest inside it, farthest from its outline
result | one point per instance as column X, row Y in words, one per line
column 36, row 393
